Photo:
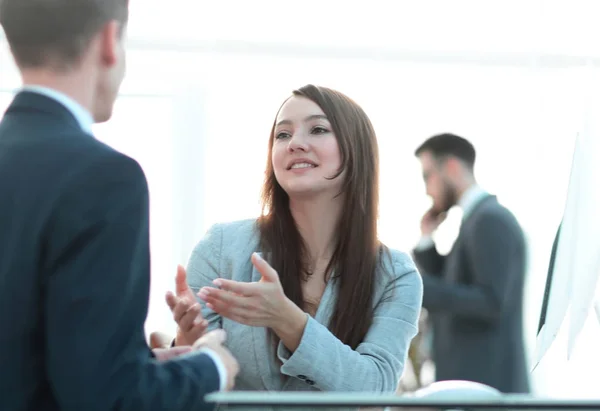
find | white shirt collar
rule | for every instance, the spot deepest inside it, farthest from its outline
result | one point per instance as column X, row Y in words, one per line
column 470, row 198
column 83, row 117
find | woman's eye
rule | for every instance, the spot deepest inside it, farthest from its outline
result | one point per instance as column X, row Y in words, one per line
column 319, row 130
column 281, row 135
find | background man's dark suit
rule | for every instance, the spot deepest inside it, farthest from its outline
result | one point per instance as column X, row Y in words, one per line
column 475, row 300
column 74, row 274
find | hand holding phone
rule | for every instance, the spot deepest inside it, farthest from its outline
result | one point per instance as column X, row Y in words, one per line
column 431, row 221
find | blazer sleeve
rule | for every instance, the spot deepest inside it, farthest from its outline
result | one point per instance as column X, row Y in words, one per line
column 204, row 267
column 495, row 254
column 376, row 365
column 96, row 300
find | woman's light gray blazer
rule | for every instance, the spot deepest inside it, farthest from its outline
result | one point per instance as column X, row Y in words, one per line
column 321, row 361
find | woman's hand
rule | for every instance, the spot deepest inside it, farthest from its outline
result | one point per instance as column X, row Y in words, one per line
column 186, row 311
column 259, row 304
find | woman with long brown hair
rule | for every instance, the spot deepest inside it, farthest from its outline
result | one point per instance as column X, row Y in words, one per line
column 308, row 295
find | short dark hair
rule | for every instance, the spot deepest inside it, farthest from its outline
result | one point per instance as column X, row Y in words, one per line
column 56, row 32
column 449, row 145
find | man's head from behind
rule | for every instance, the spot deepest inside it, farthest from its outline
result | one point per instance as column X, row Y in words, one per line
column 55, row 40
column 447, row 161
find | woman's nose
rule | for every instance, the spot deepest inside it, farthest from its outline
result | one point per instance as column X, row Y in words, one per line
column 298, row 142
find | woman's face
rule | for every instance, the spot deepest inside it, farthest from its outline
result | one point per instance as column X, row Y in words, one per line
column 305, row 152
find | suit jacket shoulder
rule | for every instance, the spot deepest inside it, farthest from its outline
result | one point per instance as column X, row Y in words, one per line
column 42, row 143
column 491, row 213
column 236, row 233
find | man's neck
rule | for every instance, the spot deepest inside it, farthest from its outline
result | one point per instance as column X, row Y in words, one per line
column 464, row 186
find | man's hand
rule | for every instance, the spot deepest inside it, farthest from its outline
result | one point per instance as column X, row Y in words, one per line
column 165, row 354
column 431, row 221
column 214, row 340
column 160, row 340
column 186, row 311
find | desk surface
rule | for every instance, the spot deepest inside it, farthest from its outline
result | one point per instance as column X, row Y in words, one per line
column 337, row 399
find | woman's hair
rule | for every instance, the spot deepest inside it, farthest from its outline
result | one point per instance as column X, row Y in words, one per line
column 357, row 251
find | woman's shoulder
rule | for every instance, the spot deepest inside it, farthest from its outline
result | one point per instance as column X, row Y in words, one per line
column 225, row 249
column 235, row 230
column 233, row 238
column 231, row 234
column 398, row 296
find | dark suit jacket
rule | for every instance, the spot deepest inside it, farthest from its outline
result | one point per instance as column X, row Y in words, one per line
column 74, row 275
column 474, row 296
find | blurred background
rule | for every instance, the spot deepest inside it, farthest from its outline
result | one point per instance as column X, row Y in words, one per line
column 205, row 80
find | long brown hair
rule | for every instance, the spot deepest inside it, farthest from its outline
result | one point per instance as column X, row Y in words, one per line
column 358, row 249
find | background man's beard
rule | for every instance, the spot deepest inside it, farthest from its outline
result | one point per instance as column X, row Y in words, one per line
column 448, row 200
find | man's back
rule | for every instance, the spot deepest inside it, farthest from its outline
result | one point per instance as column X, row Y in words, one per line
column 74, row 274
column 42, row 148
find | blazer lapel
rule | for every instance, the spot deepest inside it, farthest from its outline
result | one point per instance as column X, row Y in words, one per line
column 477, row 206
column 327, row 304
column 464, row 226
column 264, row 349
column 454, row 256
column 323, row 314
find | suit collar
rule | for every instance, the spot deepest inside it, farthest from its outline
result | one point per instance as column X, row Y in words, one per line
column 471, row 198
column 484, row 199
column 33, row 101
column 82, row 115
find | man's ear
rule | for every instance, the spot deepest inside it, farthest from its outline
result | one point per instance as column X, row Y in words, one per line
column 110, row 37
column 453, row 165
